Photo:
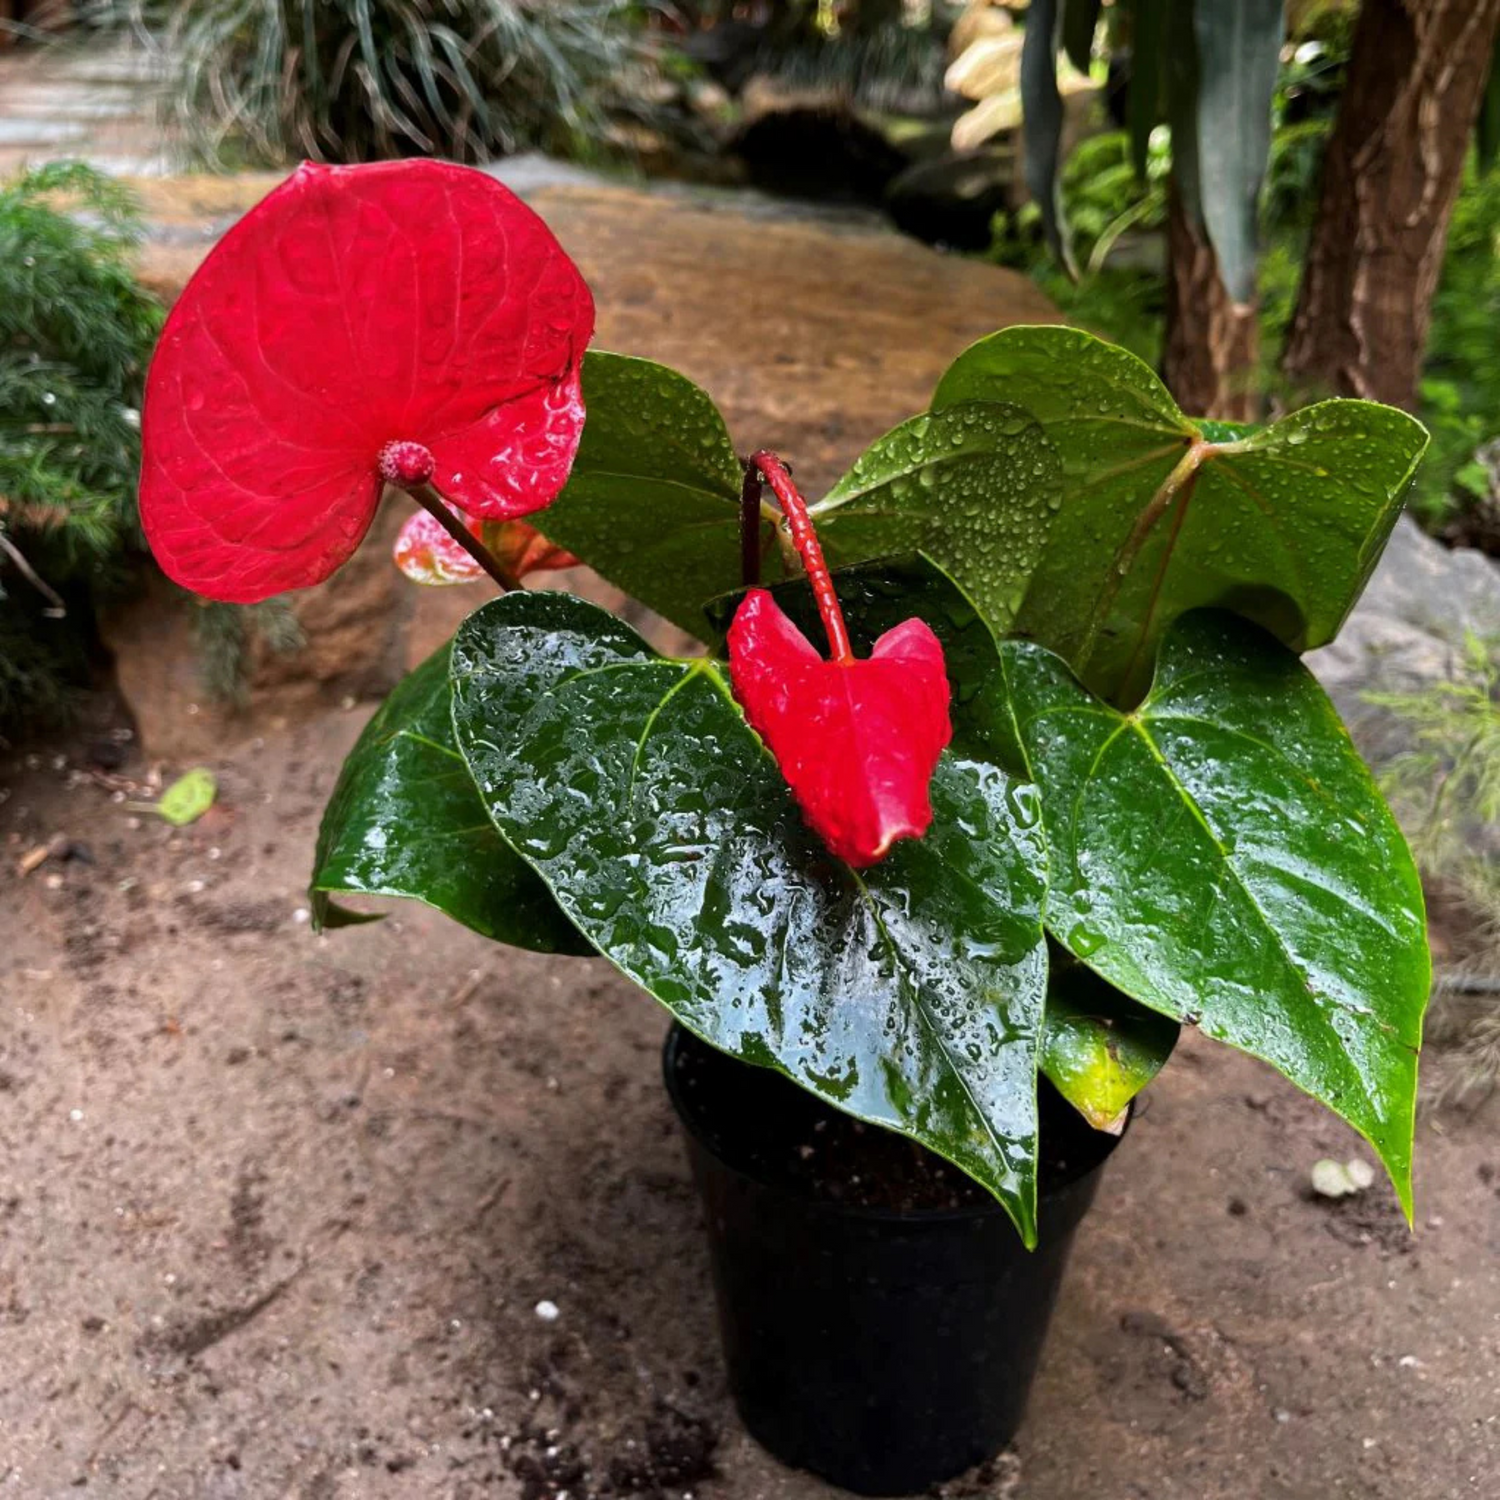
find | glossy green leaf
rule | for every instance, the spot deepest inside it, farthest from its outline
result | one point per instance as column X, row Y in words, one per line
column 1239, row 53
column 909, row 994
column 1283, row 526
column 405, row 820
column 973, row 488
column 1222, row 855
column 1099, row 1048
column 653, row 500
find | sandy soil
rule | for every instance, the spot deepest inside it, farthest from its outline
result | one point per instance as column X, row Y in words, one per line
column 276, row 1212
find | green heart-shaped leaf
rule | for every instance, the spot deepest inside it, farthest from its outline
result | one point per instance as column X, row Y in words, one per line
column 1099, row 1048
column 405, row 820
column 909, row 995
column 1283, row 527
column 973, row 488
column 653, row 500
column 1222, row 855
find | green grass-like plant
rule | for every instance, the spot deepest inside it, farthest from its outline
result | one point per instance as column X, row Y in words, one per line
column 362, row 80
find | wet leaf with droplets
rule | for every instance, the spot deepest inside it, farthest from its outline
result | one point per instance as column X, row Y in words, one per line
column 909, row 994
column 1223, row 856
column 405, row 819
column 973, row 489
column 653, row 501
column 1159, row 517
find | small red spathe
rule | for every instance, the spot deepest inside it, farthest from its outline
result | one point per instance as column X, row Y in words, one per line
column 403, row 302
column 857, row 740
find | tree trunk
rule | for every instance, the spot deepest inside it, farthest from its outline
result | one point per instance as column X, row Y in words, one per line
column 1211, row 346
column 1393, row 167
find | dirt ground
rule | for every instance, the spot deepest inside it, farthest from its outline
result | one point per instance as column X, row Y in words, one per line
column 276, row 1213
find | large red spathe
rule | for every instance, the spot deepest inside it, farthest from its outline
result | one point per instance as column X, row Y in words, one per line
column 857, row 740
column 355, row 307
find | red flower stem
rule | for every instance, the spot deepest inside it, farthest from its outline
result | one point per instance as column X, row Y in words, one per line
column 805, row 539
column 432, row 502
column 750, row 527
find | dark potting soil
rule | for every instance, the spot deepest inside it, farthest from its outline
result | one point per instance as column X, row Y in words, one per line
column 762, row 1124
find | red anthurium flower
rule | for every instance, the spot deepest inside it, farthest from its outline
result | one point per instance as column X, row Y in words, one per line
column 405, row 321
column 857, row 740
column 426, row 551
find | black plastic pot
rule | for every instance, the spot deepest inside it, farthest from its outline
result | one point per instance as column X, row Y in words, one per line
column 883, row 1350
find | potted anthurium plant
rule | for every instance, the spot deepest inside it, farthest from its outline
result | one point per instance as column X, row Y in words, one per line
column 998, row 763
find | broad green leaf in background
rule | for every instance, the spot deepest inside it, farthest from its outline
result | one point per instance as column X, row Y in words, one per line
column 1222, row 855
column 1080, row 20
column 653, row 500
column 973, row 488
column 1041, row 102
column 909, row 994
column 1239, row 52
column 1145, row 108
column 1284, row 526
column 1099, row 1048
column 405, row 820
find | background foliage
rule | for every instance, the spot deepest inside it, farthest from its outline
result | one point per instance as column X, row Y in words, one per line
column 75, row 334
column 361, row 80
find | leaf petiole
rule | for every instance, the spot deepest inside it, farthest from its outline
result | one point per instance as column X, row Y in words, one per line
column 805, row 539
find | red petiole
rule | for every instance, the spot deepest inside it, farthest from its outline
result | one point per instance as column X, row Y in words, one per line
column 805, row 539
column 409, row 466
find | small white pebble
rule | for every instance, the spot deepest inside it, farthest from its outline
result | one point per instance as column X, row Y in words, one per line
column 1409, row 1362
column 301, row 914
column 215, row 853
column 75, row 1115
column 1359, row 1172
column 455, row 1324
column 194, row 886
column 548, row 1312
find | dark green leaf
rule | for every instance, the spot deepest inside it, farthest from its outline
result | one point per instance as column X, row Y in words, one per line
column 1239, row 52
column 653, row 501
column 1099, row 1048
column 406, row 820
column 973, row 488
column 909, row 994
column 1080, row 19
column 1179, row 94
column 1144, row 104
column 1222, row 855
column 1042, row 105
column 1283, row 527
column 1487, row 130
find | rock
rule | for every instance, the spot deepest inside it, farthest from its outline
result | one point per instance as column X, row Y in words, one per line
column 354, row 625
column 953, row 201
column 1408, row 631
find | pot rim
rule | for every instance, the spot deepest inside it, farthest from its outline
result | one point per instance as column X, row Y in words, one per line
column 935, row 1216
